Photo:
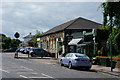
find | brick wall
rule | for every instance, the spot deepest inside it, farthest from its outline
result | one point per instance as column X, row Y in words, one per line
column 118, row 64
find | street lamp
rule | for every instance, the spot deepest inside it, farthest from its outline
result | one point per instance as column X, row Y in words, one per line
column 94, row 32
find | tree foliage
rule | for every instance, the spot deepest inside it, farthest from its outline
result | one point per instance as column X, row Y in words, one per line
column 117, row 42
column 115, row 37
column 7, row 42
column 111, row 13
column 38, row 33
column 15, row 43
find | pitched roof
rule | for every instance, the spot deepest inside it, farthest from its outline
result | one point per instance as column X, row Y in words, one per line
column 78, row 23
column 29, row 36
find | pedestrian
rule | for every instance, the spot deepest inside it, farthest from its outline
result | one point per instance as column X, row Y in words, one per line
column 60, row 52
column 28, row 54
column 16, row 53
column 99, row 53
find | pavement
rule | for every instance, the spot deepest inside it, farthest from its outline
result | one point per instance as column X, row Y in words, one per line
column 98, row 68
column 115, row 72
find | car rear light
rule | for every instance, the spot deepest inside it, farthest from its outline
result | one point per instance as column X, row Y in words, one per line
column 85, row 60
column 77, row 59
column 90, row 60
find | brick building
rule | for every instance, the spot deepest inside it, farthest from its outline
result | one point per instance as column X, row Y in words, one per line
column 70, row 37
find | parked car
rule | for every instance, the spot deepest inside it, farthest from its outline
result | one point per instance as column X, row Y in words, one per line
column 10, row 50
column 76, row 60
column 27, row 50
column 39, row 52
column 20, row 50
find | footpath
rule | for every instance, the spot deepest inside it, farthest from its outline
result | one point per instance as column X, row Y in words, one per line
column 115, row 72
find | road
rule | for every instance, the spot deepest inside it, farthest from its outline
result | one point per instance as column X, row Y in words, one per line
column 24, row 68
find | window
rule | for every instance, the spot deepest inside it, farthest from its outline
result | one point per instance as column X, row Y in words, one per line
column 67, row 55
column 71, row 55
column 54, row 43
column 81, row 56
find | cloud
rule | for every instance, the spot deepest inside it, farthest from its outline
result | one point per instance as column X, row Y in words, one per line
column 19, row 14
column 26, row 17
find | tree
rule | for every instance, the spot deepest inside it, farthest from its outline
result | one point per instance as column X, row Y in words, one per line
column 115, row 37
column 117, row 42
column 111, row 12
column 7, row 42
column 38, row 33
column 15, row 43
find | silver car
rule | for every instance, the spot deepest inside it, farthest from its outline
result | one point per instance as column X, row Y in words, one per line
column 27, row 50
column 76, row 60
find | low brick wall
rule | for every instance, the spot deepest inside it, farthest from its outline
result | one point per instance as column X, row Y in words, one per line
column 118, row 64
column 116, row 59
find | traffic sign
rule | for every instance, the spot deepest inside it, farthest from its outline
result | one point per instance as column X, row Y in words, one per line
column 17, row 35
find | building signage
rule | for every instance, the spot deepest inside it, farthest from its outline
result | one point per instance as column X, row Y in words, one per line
column 38, row 40
column 59, row 39
column 52, row 36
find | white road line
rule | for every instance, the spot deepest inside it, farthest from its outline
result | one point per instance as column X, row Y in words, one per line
column 26, row 77
column 38, row 77
column 26, row 73
column 4, row 71
column 27, row 68
column 31, row 77
column 23, row 76
column 47, row 75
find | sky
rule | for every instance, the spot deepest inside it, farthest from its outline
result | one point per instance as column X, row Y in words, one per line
column 26, row 17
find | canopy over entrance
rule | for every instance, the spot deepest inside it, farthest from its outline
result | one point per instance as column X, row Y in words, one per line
column 75, row 41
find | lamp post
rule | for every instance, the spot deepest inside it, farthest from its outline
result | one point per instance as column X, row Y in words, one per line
column 111, row 55
column 94, row 32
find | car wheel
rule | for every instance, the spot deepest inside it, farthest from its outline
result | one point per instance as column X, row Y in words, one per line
column 87, row 68
column 61, row 63
column 33, row 55
column 70, row 65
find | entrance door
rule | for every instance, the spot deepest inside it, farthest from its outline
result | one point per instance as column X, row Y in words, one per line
column 59, row 47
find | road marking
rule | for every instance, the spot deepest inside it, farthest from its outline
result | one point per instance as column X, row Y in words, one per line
column 4, row 71
column 51, row 63
column 26, row 73
column 23, row 76
column 33, row 77
column 47, row 75
column 38, row 77
column 27, row 68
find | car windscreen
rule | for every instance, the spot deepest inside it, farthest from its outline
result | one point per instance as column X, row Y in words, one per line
column 81, row 56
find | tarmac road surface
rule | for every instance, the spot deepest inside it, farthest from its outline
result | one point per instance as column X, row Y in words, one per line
column 24, row 68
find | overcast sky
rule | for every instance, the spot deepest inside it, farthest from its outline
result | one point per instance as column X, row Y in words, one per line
column 26, row 17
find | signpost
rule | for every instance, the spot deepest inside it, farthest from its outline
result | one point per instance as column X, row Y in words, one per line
column 17, row 35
